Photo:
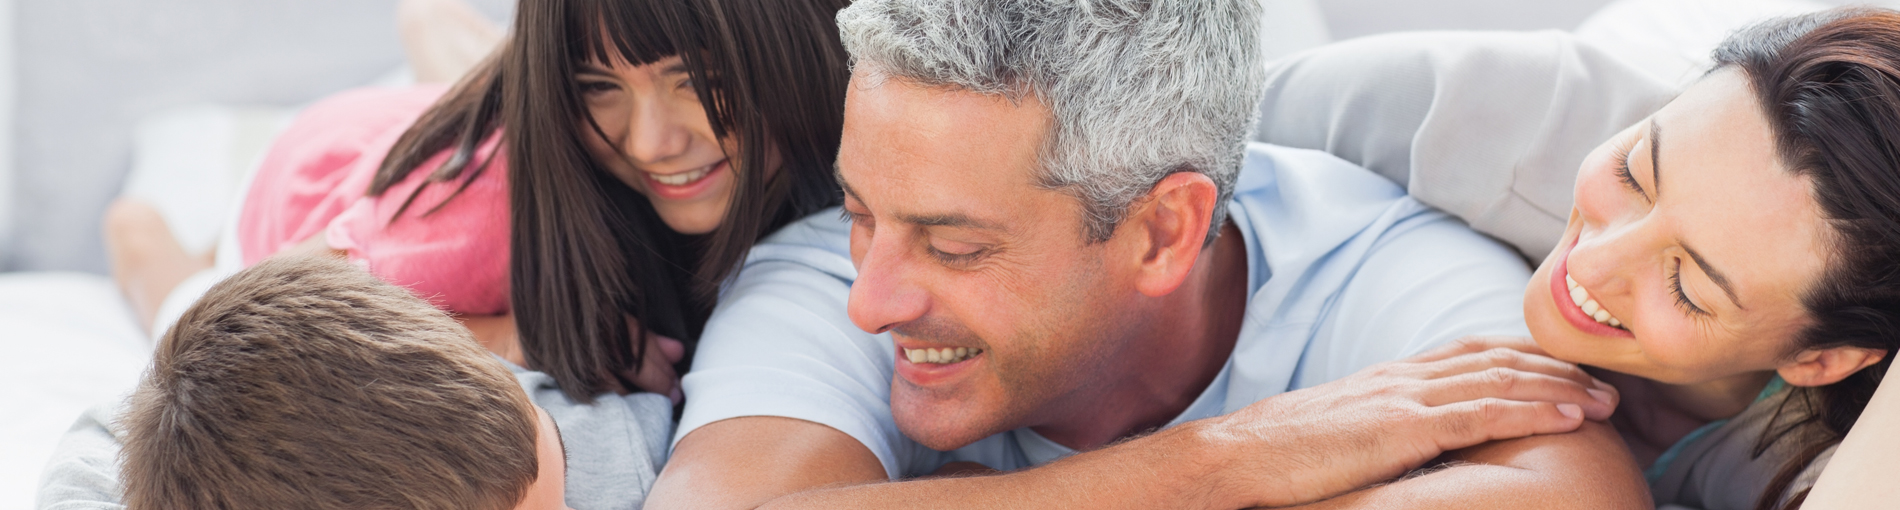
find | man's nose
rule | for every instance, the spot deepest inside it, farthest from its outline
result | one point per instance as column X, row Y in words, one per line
column 655, row 134
column 885, row 296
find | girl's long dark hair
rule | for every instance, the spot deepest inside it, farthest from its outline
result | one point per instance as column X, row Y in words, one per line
column 587, row 252
column 1829, row 85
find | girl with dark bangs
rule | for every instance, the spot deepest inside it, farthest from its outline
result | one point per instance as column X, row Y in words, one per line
column 657, row 141
column 577, row 198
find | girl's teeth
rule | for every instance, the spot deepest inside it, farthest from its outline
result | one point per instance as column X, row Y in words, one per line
column 1590, row 306
column 942, row 356
column 681, row 179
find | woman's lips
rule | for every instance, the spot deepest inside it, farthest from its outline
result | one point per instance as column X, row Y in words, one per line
column 685, row 185
column 1560, row 296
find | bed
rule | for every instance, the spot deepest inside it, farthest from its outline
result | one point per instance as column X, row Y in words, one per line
column 72, row 341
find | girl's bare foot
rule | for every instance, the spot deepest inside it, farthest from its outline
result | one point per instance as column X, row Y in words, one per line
column 146, row 259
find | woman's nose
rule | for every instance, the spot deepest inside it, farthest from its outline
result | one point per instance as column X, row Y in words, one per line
column 1607, row 255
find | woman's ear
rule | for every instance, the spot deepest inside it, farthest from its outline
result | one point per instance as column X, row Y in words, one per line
column 1821, row 367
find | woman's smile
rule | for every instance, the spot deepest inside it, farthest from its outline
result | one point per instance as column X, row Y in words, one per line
column 1577, row 306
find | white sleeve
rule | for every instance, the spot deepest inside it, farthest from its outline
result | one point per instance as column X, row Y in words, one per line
column 1429, row 280
column 1488, row 126
column 780, row 344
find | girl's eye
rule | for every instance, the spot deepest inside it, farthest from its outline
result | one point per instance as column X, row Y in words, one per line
column 594, row 87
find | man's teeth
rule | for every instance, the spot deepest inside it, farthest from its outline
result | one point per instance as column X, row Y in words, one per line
column 682, row 178
column 942, row 356
column 1590, row 307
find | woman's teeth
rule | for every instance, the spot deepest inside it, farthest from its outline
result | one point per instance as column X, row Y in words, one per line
column 1590, row 307
column 942, row 356
column 682, row 178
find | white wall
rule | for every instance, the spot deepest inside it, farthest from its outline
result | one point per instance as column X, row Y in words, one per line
column 1353, row 18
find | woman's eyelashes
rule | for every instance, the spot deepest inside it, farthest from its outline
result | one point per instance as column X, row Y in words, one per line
column 1623, row 154
column 1682, row 298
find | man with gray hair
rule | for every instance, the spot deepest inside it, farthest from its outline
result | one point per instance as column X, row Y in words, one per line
column 1067, row 276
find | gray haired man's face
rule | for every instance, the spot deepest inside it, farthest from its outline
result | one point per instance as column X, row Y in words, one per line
column 1003, row 315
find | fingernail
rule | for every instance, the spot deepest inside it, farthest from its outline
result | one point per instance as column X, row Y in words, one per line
column 1601, row 396
column 1571, row 411
column 676, row 395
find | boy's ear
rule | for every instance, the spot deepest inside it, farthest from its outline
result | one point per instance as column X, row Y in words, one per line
column 1821, row 367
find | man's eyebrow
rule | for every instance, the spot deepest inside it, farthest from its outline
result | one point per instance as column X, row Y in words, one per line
column 953, row 220
column 837, row 173
column 1655, row 157
column 1716, row 276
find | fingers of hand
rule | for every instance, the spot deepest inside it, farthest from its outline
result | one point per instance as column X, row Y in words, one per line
column 1473, row 422
column 1519, row 386
column 674, row 350
column 657, row 376
column 1512, row 359
column 1476, row 344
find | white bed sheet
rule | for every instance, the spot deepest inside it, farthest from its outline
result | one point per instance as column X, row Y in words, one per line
column 70, row 342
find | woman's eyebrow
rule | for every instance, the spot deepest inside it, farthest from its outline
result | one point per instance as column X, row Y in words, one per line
column 1715, row 276
column 1655, row 157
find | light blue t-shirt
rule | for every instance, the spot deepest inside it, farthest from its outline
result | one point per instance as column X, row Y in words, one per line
column 1345, row 271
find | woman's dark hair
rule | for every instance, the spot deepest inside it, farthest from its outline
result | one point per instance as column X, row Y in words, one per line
column 587, row 252
column 1829, row 85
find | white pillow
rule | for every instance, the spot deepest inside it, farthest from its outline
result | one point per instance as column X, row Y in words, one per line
column 189, row 162
column 1671, row 39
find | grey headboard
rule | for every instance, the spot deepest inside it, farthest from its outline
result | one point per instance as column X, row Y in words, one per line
column 86, row 70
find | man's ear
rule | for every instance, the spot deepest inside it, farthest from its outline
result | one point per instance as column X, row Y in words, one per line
column 1821, row 367
column 1168, row 229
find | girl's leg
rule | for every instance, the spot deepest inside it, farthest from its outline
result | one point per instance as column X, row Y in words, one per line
column 146, row 259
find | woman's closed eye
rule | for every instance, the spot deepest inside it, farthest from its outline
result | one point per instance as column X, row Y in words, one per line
column 1623, row 154
column 1682, row 298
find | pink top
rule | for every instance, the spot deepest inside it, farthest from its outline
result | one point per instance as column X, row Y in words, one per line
column 312, row 182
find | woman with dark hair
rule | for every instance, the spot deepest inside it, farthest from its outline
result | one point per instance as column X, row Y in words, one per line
column 588, row 185
column 1728, row 262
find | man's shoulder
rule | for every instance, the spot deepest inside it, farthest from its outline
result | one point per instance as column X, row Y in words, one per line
column 820, row 242
column 1309, row 178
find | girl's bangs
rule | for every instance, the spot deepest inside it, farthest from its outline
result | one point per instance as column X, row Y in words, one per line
column 640, row 32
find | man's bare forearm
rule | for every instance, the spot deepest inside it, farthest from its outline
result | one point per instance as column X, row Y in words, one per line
column 1174, row 468
column 1587, row 469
